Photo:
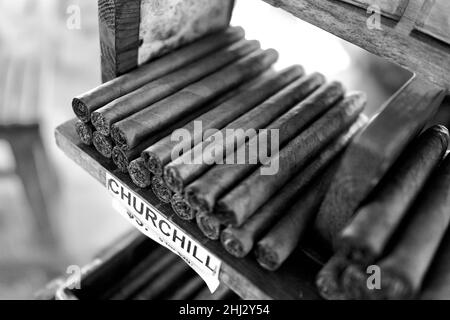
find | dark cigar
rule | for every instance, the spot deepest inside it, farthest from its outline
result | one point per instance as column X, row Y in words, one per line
column 182, row 208
column 209, row 225
column 171, row 276
column 240, row 204
column 85, row 131
column 182, row 171
column 85, row 104
column 405, row 267
column 365, row 239
column 134, row 129
column 163, row 87
column 239, row 241
column 437, row 282
column 161, row 190
column 204, row 192
column 374, row 152
column 276, row 246
column 188, row 290
column 160, row 154
column 103, row 144
column 328, row 280
column 135, row 283
column 139, row 173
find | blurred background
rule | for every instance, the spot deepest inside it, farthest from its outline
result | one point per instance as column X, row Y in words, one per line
column 53, row 214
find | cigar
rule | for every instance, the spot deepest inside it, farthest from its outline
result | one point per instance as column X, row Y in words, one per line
column 139, row 173
column 85, row 104
column 135, row 283
column 367, row 236
column 122, row 158
column 328, row 280
column 85, row 131
column 170, row 277
column 182, row 208
column 188, row 290
column 209, row 225
column 279, row 243
column 182, row 171
column 134, row 129
column 405, row 267
column 243, row 201
column 161, row 190
column 160, row 154
column 239, row 241
column 354, row 282
column 163, row 87
column 204, row 192
column 437, row 283
column 103, row 144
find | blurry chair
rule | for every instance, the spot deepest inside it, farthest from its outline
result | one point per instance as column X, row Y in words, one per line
column 19, row 126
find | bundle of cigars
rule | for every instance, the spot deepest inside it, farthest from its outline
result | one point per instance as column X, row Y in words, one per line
column 226, row 82
column 134, row 268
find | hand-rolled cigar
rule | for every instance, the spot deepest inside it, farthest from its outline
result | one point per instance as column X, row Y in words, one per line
column 204, row 192
column 134, row 129
column 279, row 243
column 139, row 173
column 240, row 204
column 85, row 131
column 191, row 165
column 366, row 237
column 328, row 280
column 405, row 267
column 163, row 87
column 138, row 282
column 239, row 241
column 209, row 225
column 182, row 208
column 159, row 155
column 103, row 144
column 161, row 190
column 156, row 287
column 85, row 104
column 188, row 290
column 437, row 283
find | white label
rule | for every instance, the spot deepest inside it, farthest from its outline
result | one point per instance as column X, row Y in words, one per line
column 154, row 225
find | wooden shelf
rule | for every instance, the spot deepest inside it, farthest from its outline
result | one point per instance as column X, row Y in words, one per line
column 398, row 41
column 295, row 280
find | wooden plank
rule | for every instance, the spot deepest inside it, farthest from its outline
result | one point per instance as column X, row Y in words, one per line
column 132, row 32
column 422, row 55
column 295, row 280
column 390, row 8
column 375, row 150
column 435, row 20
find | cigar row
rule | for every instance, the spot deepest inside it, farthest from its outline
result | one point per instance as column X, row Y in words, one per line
column 397, row 244
column 135, row 268
column 249, row 201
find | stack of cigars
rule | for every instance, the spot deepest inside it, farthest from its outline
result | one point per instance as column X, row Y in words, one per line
column 226, row 82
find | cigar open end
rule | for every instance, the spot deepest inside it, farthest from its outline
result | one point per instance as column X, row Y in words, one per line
column 119, row 138
column 153, row 163
column 192, row 197
column 139, row 173
column 103, row 145
column 182, row 208
column 161, row 191
column 393, row 287
column 209, row 226
column 173, row 180
column 81, row 110
column 354, row 283
column 328, row 280
column 267, row 258
column 232, row 244
column 84, row 131
column 99, row 122
column 120, row 160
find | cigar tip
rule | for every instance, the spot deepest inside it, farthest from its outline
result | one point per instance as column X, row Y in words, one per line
column 119, row 137
column 139, row 174
column 102, row 144
column 160, row 190
column 153, row 163
column 354, row 283
column 209, row 226
column 194, row 198
column 99, row 122
column 85, row 132
column 172, row 179
column 232, row 245
column 81, row 110
column 182, row 208
column 393, row 286
column 120, row 160
column 267, row 258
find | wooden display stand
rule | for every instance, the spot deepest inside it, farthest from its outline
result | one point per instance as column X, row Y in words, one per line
column 406, row 37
